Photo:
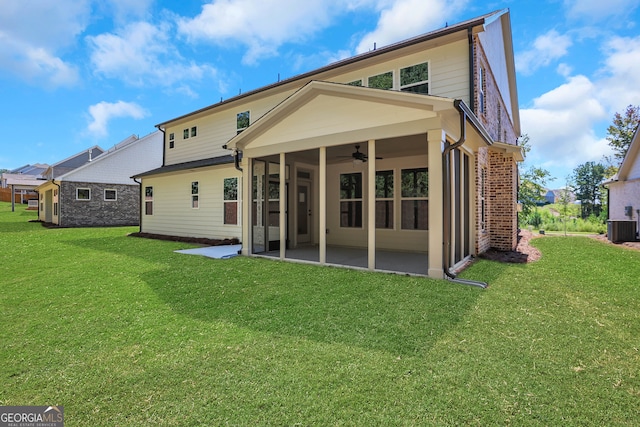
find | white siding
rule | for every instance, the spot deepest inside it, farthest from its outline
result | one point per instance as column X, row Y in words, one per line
column 449, row 77
column 621, row 194
column 118, row 166
column 172, row 211
column 214, row 130
column 492, row 40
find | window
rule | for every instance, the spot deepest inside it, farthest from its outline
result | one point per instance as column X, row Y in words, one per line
column 194, row 195
column 185, row 134
column 351, row 200
column 110, row 195
column 242, row 121
column 355, row 83
column 172, row 140
column 148, row 200
column 481, row 88
column 384, row 199
column 381, row 81
column 415, row 78
column 83, row 194
column 194, row 131
column 499, row 114
column 231, row 201
column 55, row 209
column 415, row 201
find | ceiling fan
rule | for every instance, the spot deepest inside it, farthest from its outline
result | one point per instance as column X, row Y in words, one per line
column 358, row 156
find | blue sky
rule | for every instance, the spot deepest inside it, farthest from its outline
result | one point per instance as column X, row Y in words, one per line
column 78, row 73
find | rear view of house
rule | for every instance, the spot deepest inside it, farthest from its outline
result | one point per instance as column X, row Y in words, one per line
column 402, row 158
column 95, row 188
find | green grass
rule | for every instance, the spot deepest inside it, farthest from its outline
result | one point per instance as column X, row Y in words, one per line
column 123, row 331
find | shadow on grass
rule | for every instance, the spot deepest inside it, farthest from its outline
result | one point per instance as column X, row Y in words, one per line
column 397, row 314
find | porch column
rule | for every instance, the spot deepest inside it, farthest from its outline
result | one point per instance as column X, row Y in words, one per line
column 435, row 139
column 283, row 207
column 246, row 206
column 371, row 211
column 322, row 236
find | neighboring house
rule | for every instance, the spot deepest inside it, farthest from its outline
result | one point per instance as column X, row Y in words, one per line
column 19, row 184
column 550, row 196
column 408, row 149
column 624, row 191
column 95, row 188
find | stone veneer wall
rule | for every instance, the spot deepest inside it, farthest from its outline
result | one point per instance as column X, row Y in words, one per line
column 98, row 212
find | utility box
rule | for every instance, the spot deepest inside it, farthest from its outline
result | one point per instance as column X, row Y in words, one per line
column 621, row 231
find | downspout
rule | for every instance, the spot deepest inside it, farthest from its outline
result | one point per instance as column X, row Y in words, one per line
column 139, row 198
column 446, row 202
column 164, row 147
column 236, row 156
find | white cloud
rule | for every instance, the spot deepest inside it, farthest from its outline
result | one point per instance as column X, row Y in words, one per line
column 32, row 33
column 102, row 112
column 402, row 19
column 560, row 124
column 598, row 10
column 546, row 48
column 621, row 84
column 142, row 53
column 260, row 25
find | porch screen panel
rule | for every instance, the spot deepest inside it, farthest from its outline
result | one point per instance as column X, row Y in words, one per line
column 258, row 208
column 384, row 199
column 457, row 205
column 467, row 206
column 351, row 200
column 415, row 199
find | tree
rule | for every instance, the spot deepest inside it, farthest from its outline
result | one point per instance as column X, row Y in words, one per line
column 564, row 199
column 620, row 133
column 532, row 183
column 587, row 179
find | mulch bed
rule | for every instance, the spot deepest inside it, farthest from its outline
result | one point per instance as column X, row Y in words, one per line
column 523, row 253
column 195, row 240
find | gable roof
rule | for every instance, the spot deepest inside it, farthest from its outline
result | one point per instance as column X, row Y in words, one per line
column 447, row 30
column 630, row 158
column 70, row 163
column 118, row 150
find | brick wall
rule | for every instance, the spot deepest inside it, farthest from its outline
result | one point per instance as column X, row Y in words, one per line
column 500, row 225
column 98, row 212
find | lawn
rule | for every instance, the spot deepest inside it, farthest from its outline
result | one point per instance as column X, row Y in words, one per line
column 123, row 331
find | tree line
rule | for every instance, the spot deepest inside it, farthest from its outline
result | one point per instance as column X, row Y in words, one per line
column 584, row 185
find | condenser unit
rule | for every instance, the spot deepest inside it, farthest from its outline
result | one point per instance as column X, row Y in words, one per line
column 621, row 231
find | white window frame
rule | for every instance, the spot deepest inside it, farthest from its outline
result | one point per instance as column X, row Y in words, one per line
column 482, row 82
column 404, row 88
column 238, row 128
column 172, row 140
column 381, row 74
column 195, row 196
column 225, row 201
column 404, row 198
column 148, row 199
column 82, row 199
column 194, row 131
column 353, row 200
column 115, row 192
